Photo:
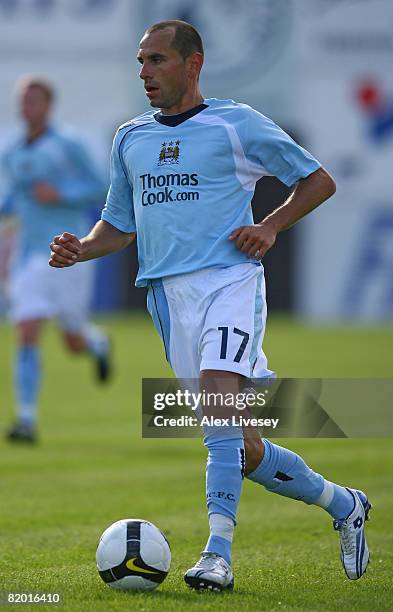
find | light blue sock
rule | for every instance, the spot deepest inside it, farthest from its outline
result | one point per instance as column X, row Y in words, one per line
column 27, row 382
column 284, row 472
column 97, row 341
column 221, row 546
column 224, row 476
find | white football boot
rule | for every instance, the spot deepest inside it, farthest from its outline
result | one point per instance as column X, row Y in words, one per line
column 354, row 550
column 211, row 572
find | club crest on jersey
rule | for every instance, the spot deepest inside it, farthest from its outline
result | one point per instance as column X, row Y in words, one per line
column 170, row 153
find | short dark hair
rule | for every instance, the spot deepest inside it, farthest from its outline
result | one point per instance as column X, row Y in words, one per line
column 186, row 40
column 28, row 81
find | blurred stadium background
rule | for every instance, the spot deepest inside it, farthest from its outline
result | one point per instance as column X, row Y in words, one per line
column 322, row 70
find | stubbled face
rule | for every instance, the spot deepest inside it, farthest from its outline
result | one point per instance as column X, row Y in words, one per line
column 163, row 71
column 34, row 105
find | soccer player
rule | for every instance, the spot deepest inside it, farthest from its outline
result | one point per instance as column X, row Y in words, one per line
column 52, row 184
column 182, row 180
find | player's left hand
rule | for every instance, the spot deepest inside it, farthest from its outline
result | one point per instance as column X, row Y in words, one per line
column 45, row 193
column 255, row 240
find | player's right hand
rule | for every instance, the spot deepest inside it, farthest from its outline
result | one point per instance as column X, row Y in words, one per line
column 66, row 250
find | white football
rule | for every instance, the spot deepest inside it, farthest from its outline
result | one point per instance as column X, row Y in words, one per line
column 133, row 555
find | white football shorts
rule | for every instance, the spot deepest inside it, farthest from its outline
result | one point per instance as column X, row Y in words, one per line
column 212, row 319
column 37, row 291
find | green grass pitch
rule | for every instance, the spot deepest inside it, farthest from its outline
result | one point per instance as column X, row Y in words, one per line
column 92, row 468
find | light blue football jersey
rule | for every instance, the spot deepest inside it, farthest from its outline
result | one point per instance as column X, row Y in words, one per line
column 184, row 182
column 63, row 162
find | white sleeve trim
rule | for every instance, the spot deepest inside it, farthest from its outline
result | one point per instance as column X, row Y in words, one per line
column 247, row 172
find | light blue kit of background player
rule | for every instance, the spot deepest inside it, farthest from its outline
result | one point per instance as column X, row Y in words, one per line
column 37, row 291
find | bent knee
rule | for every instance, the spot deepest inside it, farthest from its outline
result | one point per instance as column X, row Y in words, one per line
column 75, row 343
column 254, row 450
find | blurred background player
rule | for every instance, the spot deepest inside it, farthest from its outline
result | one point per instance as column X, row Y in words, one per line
column 52, row 184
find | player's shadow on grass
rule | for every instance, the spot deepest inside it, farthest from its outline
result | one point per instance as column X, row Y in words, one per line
column 190, row 595
column 187, row 596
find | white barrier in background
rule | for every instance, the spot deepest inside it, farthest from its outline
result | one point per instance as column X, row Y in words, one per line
column 320, row 67
column 345, row 114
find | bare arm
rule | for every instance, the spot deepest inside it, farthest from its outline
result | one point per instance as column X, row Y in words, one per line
column 103, row 239
column 256, row 240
